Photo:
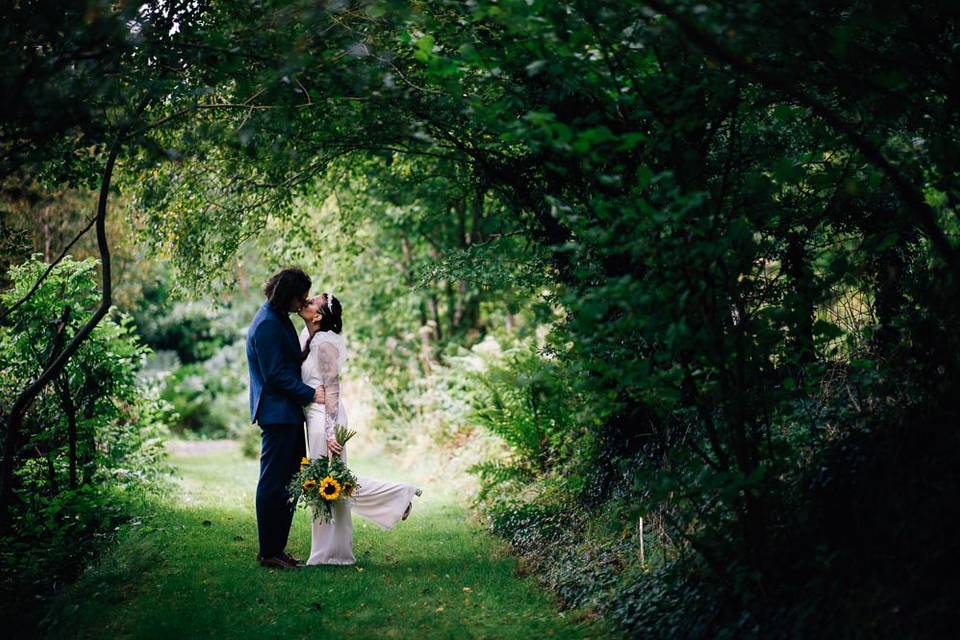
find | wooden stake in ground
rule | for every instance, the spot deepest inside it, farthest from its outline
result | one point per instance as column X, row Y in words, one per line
column 643, row 562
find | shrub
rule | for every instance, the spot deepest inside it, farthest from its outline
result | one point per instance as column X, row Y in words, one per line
column 210, row 396
column 195, row 330
column 91, row 449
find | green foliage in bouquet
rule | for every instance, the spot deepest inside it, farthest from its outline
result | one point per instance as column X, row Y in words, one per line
column 323, row 481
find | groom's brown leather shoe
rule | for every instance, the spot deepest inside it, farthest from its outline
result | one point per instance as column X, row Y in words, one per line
column 290, row 559
column 276, row 562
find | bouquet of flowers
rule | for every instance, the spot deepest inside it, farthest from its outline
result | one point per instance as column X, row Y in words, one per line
column 323, row 481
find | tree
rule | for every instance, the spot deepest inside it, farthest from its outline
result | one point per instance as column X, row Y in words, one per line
column 729, row 202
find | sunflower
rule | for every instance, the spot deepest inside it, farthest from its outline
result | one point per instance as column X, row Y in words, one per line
column 304, row 462
column 329, row 489
column 309, row 484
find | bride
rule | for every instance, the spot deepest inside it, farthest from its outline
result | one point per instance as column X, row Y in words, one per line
column 383, row 503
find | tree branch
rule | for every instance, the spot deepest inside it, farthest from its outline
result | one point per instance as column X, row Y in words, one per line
column 29, row 394
column 36, row 285
column 911, row 195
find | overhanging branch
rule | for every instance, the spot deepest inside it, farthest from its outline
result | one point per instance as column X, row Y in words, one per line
column 911, row 195
column 36, row 285
column 29, row 394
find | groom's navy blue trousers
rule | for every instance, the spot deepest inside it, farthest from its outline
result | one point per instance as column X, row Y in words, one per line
column 281, row 448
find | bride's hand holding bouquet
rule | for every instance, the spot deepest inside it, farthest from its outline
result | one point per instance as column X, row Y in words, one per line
column 323, row 481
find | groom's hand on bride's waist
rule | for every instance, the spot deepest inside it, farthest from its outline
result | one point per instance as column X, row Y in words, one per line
column 318, row 395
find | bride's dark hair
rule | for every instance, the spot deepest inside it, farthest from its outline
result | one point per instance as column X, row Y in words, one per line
column 331, row 314
column 331, row 319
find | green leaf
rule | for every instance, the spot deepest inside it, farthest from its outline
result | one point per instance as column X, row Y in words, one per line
column 826, row 330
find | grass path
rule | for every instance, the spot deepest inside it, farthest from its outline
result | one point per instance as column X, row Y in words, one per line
column 188, row 571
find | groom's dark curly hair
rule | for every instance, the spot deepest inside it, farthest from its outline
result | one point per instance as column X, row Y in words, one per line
column 285, row 286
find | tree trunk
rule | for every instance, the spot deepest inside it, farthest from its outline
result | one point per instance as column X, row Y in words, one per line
column 475, row 235
column 52, row 472
column 70, row 410
column 459, row 304
column 62, row 384
column 463, row 241
column 87, row 454
column 407, row 266
column 797, row 268
column 29, row 394
column 434, row 307
column 47, row 242
column 451, row 303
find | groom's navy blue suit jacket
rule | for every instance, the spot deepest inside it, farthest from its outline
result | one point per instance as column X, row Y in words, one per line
column 277, row 395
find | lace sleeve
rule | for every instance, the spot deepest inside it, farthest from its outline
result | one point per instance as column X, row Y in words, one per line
column 328, row 359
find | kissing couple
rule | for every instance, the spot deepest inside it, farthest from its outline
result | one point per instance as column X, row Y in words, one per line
column 295, row 380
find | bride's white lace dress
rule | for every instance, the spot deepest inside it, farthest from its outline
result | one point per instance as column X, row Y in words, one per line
column 383, row 503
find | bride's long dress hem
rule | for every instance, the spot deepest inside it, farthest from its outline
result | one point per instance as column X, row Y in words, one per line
column 332, row 563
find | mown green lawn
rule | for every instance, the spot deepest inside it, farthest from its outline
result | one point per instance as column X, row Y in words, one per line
column 189, row 571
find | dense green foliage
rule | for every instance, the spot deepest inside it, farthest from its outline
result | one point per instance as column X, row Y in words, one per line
column 714, row 246
column 92, row 447
column 743, row 275
column 201, row 363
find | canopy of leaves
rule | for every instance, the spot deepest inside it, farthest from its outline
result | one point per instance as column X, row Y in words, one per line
column 744, row 216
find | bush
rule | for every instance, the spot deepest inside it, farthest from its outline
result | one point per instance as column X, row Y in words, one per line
column 195, row 330
column 250, row 442
column 525, row 399
column 570, row 550
column 861, row 546
column 91, row 448
column 210, row 397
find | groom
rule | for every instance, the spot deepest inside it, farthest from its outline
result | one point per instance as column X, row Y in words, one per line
column 277, row 398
